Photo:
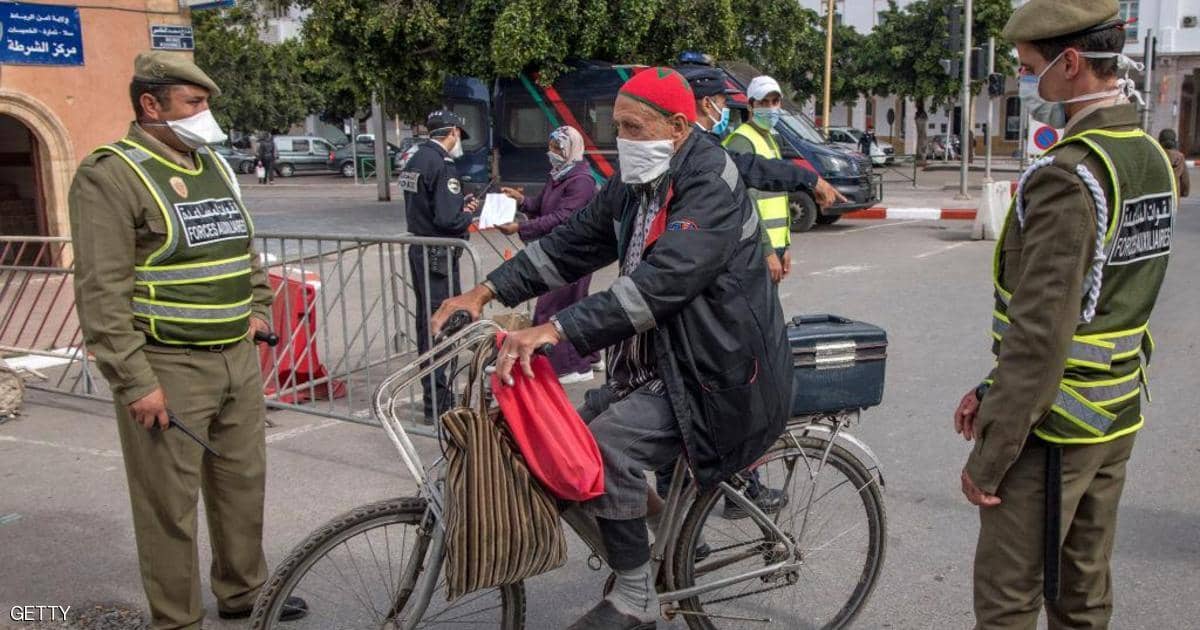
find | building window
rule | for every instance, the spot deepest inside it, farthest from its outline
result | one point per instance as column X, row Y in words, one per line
column 1129, row 13
column 1012, row 119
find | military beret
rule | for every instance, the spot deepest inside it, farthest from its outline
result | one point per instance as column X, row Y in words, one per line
column 1046, row 19
column 168, row 68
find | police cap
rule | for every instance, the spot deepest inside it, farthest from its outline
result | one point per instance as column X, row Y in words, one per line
column 444, row 118
column 1037, row 20
column 169, row 68
column 706, row 82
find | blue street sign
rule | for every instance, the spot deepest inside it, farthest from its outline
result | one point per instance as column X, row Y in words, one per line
column 198, row 5
column 40, row 34
column 169, row 37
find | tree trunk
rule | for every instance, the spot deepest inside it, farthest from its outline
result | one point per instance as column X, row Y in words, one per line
column 922, row 120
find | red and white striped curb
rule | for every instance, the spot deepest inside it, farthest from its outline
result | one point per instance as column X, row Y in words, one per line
column 1192, row 163
column 918, row 214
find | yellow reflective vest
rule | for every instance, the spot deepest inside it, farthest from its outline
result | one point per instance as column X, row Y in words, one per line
column 773, row 209
column 1099, row 397
column 195, row 289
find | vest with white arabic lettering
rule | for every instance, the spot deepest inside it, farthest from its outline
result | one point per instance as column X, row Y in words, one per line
column 1099, row 397
column 772, row 207
column 195, row 289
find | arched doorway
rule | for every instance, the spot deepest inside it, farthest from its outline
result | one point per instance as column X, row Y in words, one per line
column 22, row 199
column 38, row 160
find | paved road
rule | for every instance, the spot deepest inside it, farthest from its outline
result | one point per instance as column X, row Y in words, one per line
column 923, row 281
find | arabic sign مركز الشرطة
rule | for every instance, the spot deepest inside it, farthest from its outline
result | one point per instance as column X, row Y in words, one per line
column 40, row 34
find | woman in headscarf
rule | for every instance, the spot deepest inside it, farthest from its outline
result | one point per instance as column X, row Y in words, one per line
column 568, row 190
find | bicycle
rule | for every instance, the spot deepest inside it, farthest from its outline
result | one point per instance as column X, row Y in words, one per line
column 709, row 569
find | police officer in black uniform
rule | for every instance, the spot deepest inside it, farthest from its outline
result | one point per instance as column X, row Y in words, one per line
column 434, row 206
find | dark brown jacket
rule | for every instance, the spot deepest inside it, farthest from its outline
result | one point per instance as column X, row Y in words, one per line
column 1179, row 164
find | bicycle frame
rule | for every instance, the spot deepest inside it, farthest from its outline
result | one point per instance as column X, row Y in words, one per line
column 473, row 338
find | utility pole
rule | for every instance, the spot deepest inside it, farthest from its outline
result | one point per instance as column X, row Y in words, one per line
column 1147, row 85
column 828, row 65
column 965, row 100
column 382, row 168
column 987, row 163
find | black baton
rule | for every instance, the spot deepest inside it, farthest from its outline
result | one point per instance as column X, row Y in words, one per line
column 1053, row 550
column 172, row 421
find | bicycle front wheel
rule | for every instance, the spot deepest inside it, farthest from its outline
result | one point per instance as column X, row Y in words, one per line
column 360, row 570
column 834, row 519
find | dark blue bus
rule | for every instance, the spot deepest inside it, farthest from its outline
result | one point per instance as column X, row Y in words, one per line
column 509, row 128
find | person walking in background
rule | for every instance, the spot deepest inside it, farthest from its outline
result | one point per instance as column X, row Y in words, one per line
column 568, row 190
column 267, row 154
column 1170, row 144
column 865, row 141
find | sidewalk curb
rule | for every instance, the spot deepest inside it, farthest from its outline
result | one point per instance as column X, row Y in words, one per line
column 915, row 214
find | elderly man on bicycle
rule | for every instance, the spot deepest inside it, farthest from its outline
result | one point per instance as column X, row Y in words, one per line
column 699, row 359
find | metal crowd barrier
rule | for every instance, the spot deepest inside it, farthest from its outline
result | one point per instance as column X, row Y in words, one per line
column 345, row 312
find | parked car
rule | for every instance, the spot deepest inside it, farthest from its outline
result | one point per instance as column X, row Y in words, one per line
column 309, row 154
column 850, row 138
column 342, row 160
column 240, row 161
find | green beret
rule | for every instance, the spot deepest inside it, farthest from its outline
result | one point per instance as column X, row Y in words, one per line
column 1046, row 19
column 169, row 68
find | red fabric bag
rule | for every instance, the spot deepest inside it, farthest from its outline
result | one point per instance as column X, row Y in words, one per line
column 558, row 447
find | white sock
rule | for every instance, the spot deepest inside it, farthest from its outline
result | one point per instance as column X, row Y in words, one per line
column 633, row 594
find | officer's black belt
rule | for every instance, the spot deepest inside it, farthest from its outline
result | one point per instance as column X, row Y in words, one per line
column 221, row 347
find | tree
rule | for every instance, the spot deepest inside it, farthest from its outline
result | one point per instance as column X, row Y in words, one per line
column 782, row 39
column 263, row 86
column 404, row 50
column 909, row 44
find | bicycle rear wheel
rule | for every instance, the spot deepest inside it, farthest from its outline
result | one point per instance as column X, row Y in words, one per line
column 359, row 570
column 838, row 538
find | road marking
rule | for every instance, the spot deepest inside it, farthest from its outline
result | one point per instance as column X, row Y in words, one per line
column 5, row 519
column 943, row 249
column 70, row 449
column 291, row 433
column 840, row 270
column 878, row 226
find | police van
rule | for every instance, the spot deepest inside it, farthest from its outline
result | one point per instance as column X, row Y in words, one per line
column 511, row 122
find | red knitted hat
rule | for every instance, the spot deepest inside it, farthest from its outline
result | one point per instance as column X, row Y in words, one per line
column 663, row 89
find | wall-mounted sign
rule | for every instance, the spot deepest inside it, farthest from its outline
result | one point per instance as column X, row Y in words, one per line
column 171, row 37
column 40, row 34
column 197, row 5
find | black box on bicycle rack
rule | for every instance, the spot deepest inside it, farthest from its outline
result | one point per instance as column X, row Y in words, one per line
column 837, row 364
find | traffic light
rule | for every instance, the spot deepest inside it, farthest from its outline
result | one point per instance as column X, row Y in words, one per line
column 954, row 29
column 995, row 84
column 978, row 64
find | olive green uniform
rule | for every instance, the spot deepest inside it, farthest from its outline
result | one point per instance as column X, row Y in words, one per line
column 1047, row 261
column 116, row 224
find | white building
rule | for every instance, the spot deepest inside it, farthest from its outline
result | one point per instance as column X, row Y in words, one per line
column 1175, row 102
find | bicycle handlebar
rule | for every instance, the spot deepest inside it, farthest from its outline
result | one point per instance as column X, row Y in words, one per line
column 460, row 319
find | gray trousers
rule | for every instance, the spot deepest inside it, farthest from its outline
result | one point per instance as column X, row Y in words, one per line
column 635, row 434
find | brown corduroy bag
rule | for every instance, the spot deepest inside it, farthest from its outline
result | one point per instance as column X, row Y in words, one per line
column 501, row 526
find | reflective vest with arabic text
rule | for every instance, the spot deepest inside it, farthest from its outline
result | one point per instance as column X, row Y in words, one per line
column 194, row 289
column 1099, row 397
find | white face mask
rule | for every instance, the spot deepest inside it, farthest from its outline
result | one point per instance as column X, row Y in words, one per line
column 643, row 161
column 457, row 151
column 198, row 130
column 1054, row 113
